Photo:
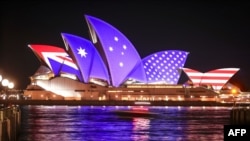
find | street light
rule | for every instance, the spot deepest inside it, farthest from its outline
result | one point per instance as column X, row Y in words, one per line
column 5, row 82
column 11, row 85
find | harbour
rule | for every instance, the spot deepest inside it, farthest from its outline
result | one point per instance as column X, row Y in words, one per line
column 83, row 123
column 119, row 103
column 35, row 120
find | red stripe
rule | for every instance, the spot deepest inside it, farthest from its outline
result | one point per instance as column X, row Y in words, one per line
column 223, row 71
column 65, row 58
column 216, row 77
column 195, row 77
column 233, row 70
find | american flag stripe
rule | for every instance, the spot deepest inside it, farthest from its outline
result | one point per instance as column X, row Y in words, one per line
column 213, row 81
column 215, row 84
column 217, row 75
column 196, row 80
column 225, row 70
column 217, row 78
column 214, row 78
column 194, row 74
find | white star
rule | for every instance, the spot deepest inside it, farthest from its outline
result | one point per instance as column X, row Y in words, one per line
column 124, row 47
column 121, row 64
column 110, row 48
column 82, row 52
column 116, row 39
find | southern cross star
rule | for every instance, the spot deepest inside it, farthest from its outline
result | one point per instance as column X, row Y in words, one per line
column 82, row 52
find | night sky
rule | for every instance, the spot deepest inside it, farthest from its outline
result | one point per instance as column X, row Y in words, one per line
column 216, row 33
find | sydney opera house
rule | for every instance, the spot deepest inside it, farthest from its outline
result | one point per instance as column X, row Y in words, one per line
column 108, row 67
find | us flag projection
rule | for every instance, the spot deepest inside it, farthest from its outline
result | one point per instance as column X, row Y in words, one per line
column 216, row 78
column 165, row 66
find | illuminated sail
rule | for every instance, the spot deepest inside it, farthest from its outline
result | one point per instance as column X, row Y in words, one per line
column 120, row 54
column 86, row 56
column 56, row 59
column 216, row 78
column 164, row 66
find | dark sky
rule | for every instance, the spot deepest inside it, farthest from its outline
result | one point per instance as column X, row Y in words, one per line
column 216, row 33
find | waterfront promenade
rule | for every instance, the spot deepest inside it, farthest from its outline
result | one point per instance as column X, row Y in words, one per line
column 117, row 103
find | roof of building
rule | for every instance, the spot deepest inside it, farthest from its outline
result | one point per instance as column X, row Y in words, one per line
column 110, row 56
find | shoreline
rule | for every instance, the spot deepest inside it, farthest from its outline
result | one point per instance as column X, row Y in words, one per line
column 117, row 103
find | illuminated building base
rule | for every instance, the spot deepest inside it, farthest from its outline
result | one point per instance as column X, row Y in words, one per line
column 62, row 88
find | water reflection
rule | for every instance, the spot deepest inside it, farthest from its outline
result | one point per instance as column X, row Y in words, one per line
column 140, row 129
column 91, row 123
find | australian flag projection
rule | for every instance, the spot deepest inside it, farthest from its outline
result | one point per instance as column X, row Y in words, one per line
column 121, row 55
column 87, row 57
column 56, row 59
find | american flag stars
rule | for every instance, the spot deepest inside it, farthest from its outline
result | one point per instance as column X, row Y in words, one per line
column 164, row 66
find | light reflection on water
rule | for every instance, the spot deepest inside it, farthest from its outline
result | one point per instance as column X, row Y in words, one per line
column 140, row 129
column 100, row 123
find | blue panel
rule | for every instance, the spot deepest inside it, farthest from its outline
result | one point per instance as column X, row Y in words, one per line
column 136, row 74
column 58, row 67
column 87, row 57
column 164, row 66
column 70, row 70
column 121, row 55
column 55, row 66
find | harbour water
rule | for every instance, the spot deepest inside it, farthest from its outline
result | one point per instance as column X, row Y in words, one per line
column 100, row 123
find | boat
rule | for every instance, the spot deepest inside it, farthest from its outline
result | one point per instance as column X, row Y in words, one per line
column 136, row 112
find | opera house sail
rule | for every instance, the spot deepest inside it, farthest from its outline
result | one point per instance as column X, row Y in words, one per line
column 87, row 57
column 57, row 59
column 108, row 66
column 120, row 53
column 165, row 66
column 216, row 78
